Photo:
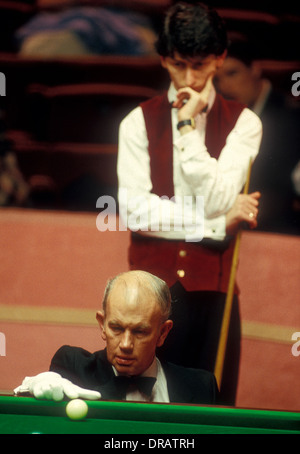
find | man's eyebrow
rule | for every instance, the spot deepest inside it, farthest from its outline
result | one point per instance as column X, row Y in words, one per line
column 144, row 326
column 114, row 322
column 180, row 59
column 141, row 325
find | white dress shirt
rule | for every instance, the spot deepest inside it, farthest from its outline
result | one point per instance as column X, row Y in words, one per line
column 195, row 174
column 160, row 389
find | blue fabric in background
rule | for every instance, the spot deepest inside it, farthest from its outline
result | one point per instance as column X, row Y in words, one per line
column 101, row 30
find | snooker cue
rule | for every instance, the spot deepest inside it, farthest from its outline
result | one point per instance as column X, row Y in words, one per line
column 218, row 371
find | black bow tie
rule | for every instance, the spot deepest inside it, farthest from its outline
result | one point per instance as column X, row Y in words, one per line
column 143, row 384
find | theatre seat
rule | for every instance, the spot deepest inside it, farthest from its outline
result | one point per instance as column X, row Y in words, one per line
column 82, row 113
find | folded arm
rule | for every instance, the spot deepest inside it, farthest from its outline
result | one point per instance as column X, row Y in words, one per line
column 199, row 175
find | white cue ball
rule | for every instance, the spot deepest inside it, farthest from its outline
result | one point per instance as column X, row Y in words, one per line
column 76, row 409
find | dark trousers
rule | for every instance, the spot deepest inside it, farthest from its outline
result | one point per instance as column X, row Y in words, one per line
column 193, row 341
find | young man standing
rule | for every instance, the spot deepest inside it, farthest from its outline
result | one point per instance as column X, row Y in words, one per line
column 186, row 145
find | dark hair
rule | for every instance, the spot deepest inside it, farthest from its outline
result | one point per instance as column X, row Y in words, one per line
column 192, row 30
column 242, row 49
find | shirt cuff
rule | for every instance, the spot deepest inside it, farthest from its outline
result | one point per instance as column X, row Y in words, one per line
column 215, row 228
column 190, row 145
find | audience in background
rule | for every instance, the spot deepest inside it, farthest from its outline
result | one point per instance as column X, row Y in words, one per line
column 86, row 30
column 241, row 79
column 14, row 191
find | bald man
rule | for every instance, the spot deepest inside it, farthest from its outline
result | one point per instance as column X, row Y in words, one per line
column 134, row 322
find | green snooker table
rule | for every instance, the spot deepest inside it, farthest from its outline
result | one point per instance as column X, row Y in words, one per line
column 26, row 415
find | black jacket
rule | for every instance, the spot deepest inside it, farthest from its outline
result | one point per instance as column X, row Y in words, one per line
column 93, row 371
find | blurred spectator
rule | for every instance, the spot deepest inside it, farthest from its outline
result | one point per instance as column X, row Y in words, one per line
column 86, row 30
column 296, row 185
column 241, row 79
column 14, row 191
column 296, row 178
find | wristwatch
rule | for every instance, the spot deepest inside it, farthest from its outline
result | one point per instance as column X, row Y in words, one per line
column 190, row 122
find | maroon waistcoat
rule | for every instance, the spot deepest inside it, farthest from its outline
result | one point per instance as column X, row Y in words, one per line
column 198, row 266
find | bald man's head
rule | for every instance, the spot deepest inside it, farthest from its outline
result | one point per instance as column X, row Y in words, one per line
column 141, row 283
column 134, row 320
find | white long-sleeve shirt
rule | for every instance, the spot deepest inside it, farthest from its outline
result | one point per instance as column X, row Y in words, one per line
column 195, row 174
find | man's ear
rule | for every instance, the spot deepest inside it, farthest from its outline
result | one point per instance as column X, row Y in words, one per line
column 163, row 62
column 100, row 319
column 164, row 331
column 256, row 70
column 221, row 59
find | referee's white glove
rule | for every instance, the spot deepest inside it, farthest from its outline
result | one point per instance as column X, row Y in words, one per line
column 52, row 386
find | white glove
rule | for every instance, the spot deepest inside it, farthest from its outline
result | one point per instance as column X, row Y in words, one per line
column 52, row 386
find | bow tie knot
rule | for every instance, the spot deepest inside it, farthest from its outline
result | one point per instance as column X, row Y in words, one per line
column 143, row 384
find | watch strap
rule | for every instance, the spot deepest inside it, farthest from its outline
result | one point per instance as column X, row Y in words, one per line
column 189, row 122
